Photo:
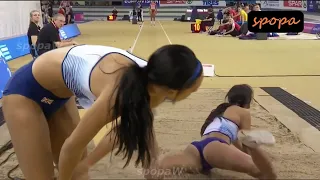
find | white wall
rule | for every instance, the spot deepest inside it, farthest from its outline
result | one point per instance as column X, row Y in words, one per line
column 14, row 17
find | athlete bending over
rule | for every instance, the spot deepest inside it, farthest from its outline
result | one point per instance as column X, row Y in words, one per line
column 43, row 119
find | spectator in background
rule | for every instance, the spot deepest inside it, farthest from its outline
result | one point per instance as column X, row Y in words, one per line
column 220, row 15
column 49, row 37
column 208, row 21
column 246, row 8
column 114, row 13
column 64, row 4
column 236, row 17
column 33, row 31
column 256, row 7
column 50, row 10
column 243, row 16
column 230, row 11
column 69, row 15
column 231, row 27
column 62, row 11
column 140, row 12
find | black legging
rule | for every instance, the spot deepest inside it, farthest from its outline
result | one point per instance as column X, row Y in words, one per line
column 139, row 16
column 233, row 33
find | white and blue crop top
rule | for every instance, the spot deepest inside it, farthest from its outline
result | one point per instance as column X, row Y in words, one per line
column 79, row 63
column 224, row 126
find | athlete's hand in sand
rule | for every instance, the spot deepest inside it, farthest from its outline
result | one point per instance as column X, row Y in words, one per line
column 255, row 138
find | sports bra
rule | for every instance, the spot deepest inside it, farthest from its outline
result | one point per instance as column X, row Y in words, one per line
column 79, row 63
column 223, row 125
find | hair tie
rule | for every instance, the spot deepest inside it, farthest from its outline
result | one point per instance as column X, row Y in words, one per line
column 196, row 72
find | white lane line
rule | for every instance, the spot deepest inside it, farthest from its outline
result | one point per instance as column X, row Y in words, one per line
column 136, row 40
column 165, row 32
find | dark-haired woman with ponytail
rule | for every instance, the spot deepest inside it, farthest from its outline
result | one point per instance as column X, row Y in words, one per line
column 42, row 116
column 227, row 127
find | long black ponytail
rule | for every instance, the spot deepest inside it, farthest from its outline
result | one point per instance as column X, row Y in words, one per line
column 215, row 113
column 172, row 66
column 132, row 104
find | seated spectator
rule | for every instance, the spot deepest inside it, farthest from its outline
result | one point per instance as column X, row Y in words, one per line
column 243, row 16
column 231, row 12
column 114, row 12
column 208, row 21
column 246, row 8
column 255, row 7
column 236, row 17
column 229, row 28
column 250, row 7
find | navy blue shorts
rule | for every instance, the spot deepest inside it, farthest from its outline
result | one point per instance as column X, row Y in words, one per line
column 23, row 83
column 200, row 145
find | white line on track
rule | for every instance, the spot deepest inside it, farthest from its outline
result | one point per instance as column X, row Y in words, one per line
column 165, row 32
column 136, row 40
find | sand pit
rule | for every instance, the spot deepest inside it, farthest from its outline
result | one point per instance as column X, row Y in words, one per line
column 178, row 125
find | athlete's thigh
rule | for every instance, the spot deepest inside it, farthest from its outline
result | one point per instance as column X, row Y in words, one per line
column 187, row 160
column 30, row 136
column 224, row 156
column 61, row 124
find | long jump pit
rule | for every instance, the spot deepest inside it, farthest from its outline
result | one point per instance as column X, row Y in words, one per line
column 178, row 125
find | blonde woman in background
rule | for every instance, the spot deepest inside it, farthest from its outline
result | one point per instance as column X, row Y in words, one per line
column 33, row 31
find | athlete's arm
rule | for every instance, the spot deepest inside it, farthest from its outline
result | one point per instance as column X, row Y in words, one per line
column 105, row 146
column 238, row 14
column 245, row 124
column 93, row 120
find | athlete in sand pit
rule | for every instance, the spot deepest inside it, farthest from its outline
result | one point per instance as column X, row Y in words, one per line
column 228, row 124
column 43, row 119
column 220, row 130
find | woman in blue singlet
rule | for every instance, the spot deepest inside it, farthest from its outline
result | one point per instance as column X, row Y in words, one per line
column 221, row 146
column 42, row 116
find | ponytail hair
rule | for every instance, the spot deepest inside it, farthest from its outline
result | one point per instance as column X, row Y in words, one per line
column 132, row 103
column 173, row 66
column 215, row 113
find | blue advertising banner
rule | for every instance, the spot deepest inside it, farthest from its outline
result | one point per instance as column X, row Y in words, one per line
column 144, row 3
column 210, row 2
column 312, row 6
column 69, row 31
column 14, row 47
column 5, row 73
